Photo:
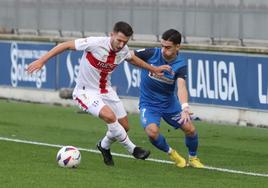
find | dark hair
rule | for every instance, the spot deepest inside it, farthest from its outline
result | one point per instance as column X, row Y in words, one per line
column 172, row 35
column 124, row 28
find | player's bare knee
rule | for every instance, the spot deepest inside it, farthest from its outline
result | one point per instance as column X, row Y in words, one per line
column 107, row 115
column 152, row 132
column 189, row 129
column 124, row 122
column 152, row 135
column 110, row 118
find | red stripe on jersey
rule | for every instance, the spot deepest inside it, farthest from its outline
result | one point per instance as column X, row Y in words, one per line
column 103, row 82
column 104, row 67
column 81, row 103
column 107, row 66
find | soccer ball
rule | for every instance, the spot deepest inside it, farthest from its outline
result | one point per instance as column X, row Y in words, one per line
column 68, row 156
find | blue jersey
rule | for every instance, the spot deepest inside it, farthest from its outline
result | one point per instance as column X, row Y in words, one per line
column 158, row 92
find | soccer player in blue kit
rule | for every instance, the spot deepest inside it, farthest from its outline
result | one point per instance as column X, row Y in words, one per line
column 158, row 98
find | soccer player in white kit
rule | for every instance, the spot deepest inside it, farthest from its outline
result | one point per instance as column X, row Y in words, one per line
column 93, row 92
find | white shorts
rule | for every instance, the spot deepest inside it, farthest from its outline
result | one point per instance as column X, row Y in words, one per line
column 92, row 102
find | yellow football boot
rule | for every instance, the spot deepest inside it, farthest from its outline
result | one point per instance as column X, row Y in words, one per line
column 195, row 162
column 179, row 160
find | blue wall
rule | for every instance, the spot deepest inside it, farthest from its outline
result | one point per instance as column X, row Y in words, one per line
column 237, row 80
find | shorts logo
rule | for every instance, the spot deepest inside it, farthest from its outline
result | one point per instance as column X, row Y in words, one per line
column 177, row 117
column 144, row 120
column 95, row 103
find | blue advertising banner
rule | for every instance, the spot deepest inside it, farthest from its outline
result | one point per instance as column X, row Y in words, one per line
column 214, row 79
column 257, row 82
column 225, row 79
column 236, row 80
column 15, row 57
column 68, row 68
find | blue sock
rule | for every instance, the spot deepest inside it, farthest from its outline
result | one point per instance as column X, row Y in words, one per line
column 160, row 143
column 192, row 144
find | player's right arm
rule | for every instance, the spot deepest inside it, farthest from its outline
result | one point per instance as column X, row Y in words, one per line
column 39, row 63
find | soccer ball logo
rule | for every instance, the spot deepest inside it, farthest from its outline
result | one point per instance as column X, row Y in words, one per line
column 68, row 156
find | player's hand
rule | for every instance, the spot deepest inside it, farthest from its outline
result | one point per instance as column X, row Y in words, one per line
column 185, row 116
column 35, row 66
column 160, row 70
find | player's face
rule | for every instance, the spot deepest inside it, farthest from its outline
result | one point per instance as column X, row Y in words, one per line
column 118, row 41
column 169, row 49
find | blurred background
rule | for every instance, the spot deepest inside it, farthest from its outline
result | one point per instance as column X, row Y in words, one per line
column 239, row 22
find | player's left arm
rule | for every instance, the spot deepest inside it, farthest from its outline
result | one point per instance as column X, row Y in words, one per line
column 182, row 90
column 140, row 63
column 183, row 96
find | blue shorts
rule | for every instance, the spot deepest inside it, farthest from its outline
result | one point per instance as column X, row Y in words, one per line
column 148, row 116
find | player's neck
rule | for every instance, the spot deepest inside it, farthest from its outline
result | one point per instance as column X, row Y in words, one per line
column 169, row 60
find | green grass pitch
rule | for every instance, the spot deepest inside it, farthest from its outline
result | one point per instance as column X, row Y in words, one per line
column 26, row 165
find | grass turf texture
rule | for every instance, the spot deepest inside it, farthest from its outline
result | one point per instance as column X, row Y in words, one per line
column 24, row 165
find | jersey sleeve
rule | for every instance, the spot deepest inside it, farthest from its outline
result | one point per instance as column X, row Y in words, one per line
column 85, row 43
column 182, row 73
column 145, row 53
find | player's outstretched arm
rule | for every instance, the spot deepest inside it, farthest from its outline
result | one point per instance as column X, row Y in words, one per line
column 140, row 63
column 39, row 63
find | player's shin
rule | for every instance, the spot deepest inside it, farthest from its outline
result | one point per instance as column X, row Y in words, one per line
column 192, row 144
column 106, row 142
column 160, row 143
column 116, row 131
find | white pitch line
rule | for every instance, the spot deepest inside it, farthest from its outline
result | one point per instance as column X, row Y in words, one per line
column 129, row 156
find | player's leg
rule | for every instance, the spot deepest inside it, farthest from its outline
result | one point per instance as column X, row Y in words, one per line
column 150, row 120
column 124, row 122
column 121, row 120
column 172, row 119
column 106, row 142
column 156, row 138
column 191, row 137
column 90, row 102
column 191, row 142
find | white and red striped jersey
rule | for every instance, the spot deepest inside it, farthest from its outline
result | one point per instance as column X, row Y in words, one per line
column 98, row 62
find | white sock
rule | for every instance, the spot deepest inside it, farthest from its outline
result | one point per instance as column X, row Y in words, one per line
column 192, row 156
column 169, row 150
column 115, row 130
column 106, row 142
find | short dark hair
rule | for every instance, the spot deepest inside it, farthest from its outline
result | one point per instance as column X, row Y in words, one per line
column 172, row 35
column 124, row 28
